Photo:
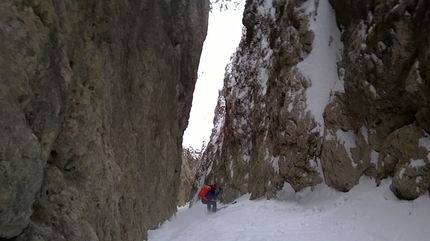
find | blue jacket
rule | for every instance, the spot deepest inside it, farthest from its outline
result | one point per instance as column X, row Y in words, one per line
column 212, row 193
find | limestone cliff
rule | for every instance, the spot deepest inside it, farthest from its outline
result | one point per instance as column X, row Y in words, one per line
column 94, row 99
column 387, row 95
column 325, row 91
column 190, row 164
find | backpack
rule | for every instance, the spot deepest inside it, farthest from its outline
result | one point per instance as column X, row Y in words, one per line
column 205, row 189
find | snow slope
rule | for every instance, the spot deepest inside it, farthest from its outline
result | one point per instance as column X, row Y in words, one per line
column 320, row 66
column 224, row 33
column 366, row 213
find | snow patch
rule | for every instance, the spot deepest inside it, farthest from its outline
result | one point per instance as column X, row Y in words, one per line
column 340, row 85
column 245, row 158
column 267, row 8
column 317, row 165
column 418, row 179
column 374, row 157
column 402, row 171
column 231, row 169
column 348, row 140
column 372, row 88
column 290, row 106
column 417, row 66
column 417, row 163
column 369, row 17
column 263, row 77
column 365, row 133
column 424, row 142
column 320, row 66
column 275, row 163
column 370, row 29
column 362, row 30
column 225, row 29
column 362, row 33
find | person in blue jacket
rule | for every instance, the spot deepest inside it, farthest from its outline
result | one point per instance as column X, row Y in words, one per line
column 210, row 198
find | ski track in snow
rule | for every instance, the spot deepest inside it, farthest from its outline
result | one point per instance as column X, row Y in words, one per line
column 366, row 213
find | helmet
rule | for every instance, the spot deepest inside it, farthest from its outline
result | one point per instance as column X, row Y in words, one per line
column 215, row 186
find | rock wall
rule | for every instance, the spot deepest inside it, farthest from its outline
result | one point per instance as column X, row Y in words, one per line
column 324, row 91
column 94, row 99
column 189, row 167
column 386, row 98
column 262, row 136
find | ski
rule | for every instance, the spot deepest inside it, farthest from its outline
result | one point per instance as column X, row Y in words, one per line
column 225, row 206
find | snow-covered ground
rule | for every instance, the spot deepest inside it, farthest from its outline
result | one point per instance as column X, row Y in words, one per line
column 366, row 213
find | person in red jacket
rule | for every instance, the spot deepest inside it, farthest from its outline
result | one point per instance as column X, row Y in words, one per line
column 210, row 198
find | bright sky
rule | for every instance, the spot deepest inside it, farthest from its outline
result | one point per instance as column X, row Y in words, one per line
column 366, row 213
column 225, row 30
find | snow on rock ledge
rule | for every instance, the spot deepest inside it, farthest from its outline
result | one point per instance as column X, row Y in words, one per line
column 307, row 102
column 385, row 101
column 268, row 134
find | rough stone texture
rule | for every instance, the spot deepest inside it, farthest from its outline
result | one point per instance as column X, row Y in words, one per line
column 384, row 68
column 406, row 156
column 411, row 182
column 264, row 135
column 189, row 167
column 261, row 137
column 94, row 99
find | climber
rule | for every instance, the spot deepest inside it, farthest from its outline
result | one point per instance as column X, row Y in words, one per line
column 208, row 195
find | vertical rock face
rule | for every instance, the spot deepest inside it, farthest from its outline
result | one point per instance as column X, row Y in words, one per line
column 94, row 99
column 263, row 135
column 325, row 91
column 387, row 94
column 190, row 165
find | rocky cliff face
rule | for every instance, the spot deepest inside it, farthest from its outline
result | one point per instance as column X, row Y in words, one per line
column 94, row 99
column 386, row 97
column 189, row 167
column 325, row 91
